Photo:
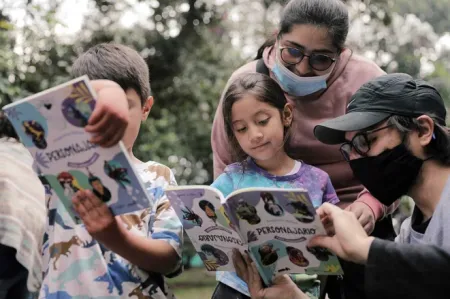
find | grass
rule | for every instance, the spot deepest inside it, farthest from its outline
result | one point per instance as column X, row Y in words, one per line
column 193, row 283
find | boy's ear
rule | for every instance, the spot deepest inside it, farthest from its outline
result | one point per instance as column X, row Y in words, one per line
column 287, row 115
column 148, row 104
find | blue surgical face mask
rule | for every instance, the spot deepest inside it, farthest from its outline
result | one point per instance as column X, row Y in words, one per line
column 295, row 85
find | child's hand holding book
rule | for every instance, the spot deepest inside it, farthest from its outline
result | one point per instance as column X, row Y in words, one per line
column 282, row 286
column 97, row 217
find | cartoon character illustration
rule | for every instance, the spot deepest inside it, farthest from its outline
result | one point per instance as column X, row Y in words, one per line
column 268, row 254
column 36, row 132
column 209, row 210
column 296, row 257
column 78, row 106
column 227, row 219
column 247, row 212
column 270, row 204
column 210, row 253
column 98, row 188
column 62, row 248
column 302, row 212
column 118, row 174
column 189, row 215
column 322, row 254
column 68, row 183
column 251, row 236
column 73, row 112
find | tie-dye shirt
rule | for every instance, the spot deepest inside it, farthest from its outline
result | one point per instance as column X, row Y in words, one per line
column 76, row 266
column 247, row 174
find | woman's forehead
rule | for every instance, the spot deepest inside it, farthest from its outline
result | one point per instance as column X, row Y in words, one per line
column 310, row 38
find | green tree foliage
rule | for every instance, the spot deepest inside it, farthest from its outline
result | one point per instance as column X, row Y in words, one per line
column 188, row 71
column 435, row 12
column 188, row 47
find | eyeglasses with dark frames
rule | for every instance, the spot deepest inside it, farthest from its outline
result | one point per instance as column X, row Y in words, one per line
column 360, row 142
column 318, row 62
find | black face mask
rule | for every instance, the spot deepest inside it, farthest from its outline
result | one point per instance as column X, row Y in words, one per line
column 389, row 175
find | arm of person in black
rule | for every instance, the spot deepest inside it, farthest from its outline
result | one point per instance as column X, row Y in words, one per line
column 392, row 270
column 407, row 271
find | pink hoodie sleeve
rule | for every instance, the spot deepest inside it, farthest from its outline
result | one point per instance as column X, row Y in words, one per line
column 219, row 141
column 379, row 210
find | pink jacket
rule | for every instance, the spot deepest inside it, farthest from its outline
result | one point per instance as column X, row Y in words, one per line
column 349, row 74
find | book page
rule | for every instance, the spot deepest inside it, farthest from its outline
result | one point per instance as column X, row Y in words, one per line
column 278, row 223
column 51, row 125
column 206, row 224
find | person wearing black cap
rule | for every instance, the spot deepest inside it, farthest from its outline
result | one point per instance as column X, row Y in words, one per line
column 395, row 138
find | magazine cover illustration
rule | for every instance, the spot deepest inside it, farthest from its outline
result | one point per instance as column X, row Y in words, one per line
column 274, row 225
column 207, row 225
column 278, row 225
column 51, row 125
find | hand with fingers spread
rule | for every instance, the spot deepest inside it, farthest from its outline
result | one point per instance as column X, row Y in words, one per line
column 282, row 286
column 364, row 214
column 96, row 216
column 346, row 237
column 110, row 116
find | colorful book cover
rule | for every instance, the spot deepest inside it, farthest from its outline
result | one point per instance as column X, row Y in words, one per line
column 51, row 125
column 274, row 225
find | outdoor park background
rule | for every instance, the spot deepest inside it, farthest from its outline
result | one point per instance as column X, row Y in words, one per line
column 192, row 47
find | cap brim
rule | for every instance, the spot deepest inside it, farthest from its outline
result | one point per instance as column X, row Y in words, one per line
column 333, row 131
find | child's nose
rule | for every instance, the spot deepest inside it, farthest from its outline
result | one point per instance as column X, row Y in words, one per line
column 255, row 135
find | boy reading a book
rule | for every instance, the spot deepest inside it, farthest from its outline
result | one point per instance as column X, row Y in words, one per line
column 127, row 255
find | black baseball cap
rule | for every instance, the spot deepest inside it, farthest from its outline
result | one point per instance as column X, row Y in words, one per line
column 376, row 100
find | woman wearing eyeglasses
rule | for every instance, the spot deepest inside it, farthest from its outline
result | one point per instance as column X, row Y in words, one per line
column 319, row 74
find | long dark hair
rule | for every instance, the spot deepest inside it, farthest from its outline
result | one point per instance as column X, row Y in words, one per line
column 266, row 90
column 331, row 14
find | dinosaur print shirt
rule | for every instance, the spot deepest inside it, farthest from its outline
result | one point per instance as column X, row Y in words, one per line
column 76, row 266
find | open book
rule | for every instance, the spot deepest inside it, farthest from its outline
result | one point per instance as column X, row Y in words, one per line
column 273, row 225
column 51, row 125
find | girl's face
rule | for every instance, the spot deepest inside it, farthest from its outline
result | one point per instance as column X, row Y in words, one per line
column 258, row 128
column 308, row 40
